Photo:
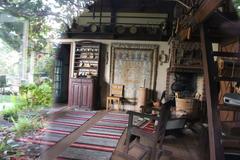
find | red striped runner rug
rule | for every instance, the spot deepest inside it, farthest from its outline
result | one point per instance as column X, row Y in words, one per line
column 57, row 129
column 99, row 141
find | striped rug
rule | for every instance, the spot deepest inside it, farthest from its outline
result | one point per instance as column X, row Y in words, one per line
column 99, row 141
column 57, row 129
column 148, row 127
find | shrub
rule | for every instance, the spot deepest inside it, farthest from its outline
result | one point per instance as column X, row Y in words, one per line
column 21, row 104
column 10, row 113
column 43, row 95
column 37, row 95
column 24, row 125
column 4, row 146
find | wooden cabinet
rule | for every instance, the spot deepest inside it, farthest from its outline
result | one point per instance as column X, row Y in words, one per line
column 82, row 93
column 83, row 86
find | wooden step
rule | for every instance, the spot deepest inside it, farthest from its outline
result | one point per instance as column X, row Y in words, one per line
column 226, row 54
column 223, row 78
column 227, row 107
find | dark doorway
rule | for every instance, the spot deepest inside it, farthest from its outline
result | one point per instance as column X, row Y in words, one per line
column 61, row 73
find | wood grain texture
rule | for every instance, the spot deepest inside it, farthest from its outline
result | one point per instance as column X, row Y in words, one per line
column 214, row 129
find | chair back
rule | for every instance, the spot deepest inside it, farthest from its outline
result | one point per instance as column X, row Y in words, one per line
column 116, row 90
column 164, row 116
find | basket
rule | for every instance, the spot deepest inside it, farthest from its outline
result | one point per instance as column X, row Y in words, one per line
column 188, row 106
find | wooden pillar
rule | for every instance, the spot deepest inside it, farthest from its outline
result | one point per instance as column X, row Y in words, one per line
column 113, row 14
column 214, row 127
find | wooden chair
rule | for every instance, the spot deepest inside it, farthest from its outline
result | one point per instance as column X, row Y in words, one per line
column 136, row 151
column 116, row 94
column 147, row 135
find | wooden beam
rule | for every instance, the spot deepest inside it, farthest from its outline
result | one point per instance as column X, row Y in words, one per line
column 206, row 9
column 214, row 127
column 185, row 34
column 203, row 12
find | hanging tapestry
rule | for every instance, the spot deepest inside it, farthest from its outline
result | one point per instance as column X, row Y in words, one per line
column 134, row 66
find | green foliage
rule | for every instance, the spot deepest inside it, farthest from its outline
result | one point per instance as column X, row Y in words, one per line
column 33, row 97
column 43, row 17
column 24, row 125
column 7, row 145
column 38, row 33
column 6, row 98
column 45, row 65
column 237, row 5
column 33, row 11
column 36, row 95
column 43, row 94
column 10, row 113
column 11, row 32
column 21, row 104
column 3, row 145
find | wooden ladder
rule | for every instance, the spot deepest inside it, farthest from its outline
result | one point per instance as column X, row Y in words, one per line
column 211, row 80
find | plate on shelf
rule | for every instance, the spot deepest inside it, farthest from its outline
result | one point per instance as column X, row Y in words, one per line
column 81, row 64
column 87, row 65
column 133, row 29
column 84, row 55
column 91, row 55
column 96, row 57
column 93, row 28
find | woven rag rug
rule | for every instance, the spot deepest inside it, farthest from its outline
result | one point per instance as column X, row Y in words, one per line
column 57, row 129
column 99, row 141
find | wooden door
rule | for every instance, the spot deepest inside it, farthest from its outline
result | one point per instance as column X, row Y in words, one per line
column 75, row 93
column 87, row 94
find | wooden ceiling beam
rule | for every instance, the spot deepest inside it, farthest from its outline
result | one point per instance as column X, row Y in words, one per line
column 202, row 13
column 152, row 6
column 206, row 9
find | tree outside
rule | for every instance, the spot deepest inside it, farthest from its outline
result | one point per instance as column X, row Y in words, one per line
column 46, row 20
column 237, row 5
column 27, row 55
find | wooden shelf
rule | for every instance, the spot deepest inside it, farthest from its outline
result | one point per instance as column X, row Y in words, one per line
column 79, row 67
column 236, row 79
column 226, row 54
column 226, row 107
column 86, row 59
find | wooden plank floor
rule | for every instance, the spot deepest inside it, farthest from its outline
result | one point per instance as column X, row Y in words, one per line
column 183, row 147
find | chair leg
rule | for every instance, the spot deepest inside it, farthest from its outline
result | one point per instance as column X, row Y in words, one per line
column 107, row 105
column 127, row 141
column 118, row 104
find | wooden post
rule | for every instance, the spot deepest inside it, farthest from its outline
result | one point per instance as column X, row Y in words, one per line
column 214, row 127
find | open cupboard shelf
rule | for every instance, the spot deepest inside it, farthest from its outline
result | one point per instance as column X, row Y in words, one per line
column 86, row 59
